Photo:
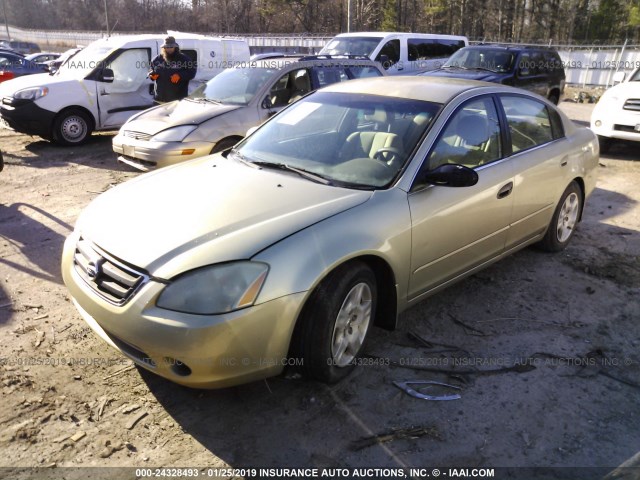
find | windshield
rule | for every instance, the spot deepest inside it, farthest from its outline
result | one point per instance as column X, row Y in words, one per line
column 236, row 86
column 348, row 139
column 498, row 60
column 635, row 77
column 85, row 61
column 351, row 46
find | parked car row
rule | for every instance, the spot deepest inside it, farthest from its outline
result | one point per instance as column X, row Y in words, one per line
column 13, row 65
column 21, row 47
column 103, row 85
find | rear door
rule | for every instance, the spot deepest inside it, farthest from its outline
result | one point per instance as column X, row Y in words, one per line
column 541, row 156
column 129, row 92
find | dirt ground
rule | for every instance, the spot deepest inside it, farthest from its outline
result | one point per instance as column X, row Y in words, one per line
column 568, row 322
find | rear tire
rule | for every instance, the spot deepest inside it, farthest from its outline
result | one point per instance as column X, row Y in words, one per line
column 564, row 221
column 335, row 322
column 71, row 127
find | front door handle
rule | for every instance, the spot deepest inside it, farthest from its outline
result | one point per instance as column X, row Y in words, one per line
column 506, row 190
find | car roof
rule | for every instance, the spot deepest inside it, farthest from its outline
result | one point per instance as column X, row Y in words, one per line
column 405, row 34
column 429, row 89
column 518, row 48
column 283, row 61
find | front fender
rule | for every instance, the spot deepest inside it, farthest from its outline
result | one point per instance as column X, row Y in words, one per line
column 380, row 227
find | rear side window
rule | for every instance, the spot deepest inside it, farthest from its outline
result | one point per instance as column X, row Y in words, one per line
column 528, row 121
column 328, row 75
column 363, row 72
column 427, row 49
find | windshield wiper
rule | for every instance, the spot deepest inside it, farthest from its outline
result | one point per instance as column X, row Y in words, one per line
column 303, row 173
column 484, row 69
column 203, row 99
column 242, row 159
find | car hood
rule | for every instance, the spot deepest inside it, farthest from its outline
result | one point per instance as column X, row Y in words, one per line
column 9, row 87
column 467, row 74
column 173, row 114
column 206, row 211
column 624, row 90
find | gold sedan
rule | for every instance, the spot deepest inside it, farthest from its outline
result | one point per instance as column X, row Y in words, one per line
column 340, row 212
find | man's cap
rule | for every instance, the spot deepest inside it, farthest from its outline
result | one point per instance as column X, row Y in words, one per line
column 170, row 42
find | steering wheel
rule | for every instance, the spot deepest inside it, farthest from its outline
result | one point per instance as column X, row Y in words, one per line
column 387, row 155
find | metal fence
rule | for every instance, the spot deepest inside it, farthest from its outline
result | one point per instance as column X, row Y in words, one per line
column 586, row 65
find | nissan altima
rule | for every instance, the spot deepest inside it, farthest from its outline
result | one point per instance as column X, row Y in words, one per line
column 344, row 209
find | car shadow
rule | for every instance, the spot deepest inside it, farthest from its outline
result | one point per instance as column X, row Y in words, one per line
column 34, row 242
column 622, row 150
column 279, row 407
column 95, row 153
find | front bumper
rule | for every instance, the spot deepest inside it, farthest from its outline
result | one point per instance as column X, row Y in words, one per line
column 26, row 117
column 200, row 351
column 622, row 125
column 146, row 155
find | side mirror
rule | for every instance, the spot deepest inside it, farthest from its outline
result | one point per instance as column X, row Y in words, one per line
column 266, row 103
column 450, row 175
column 107, row 75
column 523, row 72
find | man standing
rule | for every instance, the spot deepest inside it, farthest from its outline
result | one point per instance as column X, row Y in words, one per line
column 172, row 71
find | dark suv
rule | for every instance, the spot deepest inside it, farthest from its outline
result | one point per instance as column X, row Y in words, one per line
column 537, row 69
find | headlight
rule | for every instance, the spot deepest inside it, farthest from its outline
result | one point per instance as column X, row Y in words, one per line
column 33, row 93
column 215, row 289
column 175, row 134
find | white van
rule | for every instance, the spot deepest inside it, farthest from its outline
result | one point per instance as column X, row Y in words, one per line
column 104, row 84
column 399, row 53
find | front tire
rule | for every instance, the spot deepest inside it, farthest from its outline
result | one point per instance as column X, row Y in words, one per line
column 335, row 322
column 565, row 220
column 71, row 127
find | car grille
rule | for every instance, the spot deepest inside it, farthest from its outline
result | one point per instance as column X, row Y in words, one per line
column 137, row 135
column 109, row 278
column 632, row 104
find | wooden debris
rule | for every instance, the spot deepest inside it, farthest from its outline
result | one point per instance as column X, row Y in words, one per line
column 78, row 436
column 130, row 408
column 39, row 338
column 126, row 369
column 469, row 330
column 396, row 434
column 136, row 419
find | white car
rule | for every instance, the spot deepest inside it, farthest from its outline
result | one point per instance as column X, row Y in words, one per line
column 617, row 113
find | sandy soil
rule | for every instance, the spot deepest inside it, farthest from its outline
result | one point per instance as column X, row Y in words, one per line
column 570, row 322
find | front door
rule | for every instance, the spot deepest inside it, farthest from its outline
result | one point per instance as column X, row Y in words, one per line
column 457, row 228
column 129, row 92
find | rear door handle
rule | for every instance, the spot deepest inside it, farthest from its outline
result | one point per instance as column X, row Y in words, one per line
column 506, row 190
column 564, row 161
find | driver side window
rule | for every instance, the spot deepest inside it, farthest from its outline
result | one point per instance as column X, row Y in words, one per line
column 471, row 137
column 129, row 70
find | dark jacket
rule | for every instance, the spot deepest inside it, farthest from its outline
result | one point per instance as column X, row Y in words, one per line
column 166, row 91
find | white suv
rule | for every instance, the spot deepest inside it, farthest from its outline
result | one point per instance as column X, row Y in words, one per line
column 617, row 113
